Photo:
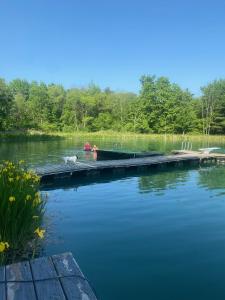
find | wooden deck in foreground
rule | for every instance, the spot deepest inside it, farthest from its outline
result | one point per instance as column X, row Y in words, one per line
column 65, row 170
column 47, row 278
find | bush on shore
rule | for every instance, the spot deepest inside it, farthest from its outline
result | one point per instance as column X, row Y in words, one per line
column 21, row 212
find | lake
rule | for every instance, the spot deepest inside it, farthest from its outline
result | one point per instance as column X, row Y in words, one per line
column 139, row 235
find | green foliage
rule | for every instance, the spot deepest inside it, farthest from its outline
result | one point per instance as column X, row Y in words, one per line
column 21, row 211
column 5, row 104
column 161, row 107
column 20, row 87
column 166, row 106
column 213, row 107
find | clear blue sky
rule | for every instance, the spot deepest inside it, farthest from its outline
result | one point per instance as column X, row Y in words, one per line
column 112, row 43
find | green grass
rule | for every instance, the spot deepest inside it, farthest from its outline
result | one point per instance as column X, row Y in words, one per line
column 21, row 212
column 40, row 135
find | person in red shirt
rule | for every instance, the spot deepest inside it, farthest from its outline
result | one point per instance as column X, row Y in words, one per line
column 87, row 147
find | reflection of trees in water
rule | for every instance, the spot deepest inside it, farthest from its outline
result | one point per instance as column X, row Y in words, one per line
column 158, row 182
column 212, row 177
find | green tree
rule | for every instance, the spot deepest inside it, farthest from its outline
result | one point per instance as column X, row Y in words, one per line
column 57, row 98
column 39, row 104
column 21, row 87
column 20, row 114
column 5, row 104
column 213, row 107
column 164, row 105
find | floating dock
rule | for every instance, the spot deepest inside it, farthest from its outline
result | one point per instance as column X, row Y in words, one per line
column 79, row 168
column 57, row 277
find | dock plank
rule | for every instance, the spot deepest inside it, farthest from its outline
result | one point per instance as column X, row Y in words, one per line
column 49, row 290
column 66, row 265
column 43, row 268
column 18, row 272
column 2, row 291
column 2, row 283
column 20, row 291
column 2, row 274
column 78, row 289
column 19, row 282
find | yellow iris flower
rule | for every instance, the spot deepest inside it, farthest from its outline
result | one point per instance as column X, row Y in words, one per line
column 3, row 246
column 40, row 232
column 12, row 199
column 28, row 197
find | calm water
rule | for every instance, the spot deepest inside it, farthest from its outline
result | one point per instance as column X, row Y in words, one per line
column 44, row 152
column 150, row 235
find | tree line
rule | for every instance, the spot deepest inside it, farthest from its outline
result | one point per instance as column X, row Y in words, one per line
column 160, row 107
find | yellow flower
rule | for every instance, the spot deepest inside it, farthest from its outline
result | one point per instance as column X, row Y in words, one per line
column 36, row 179
column 3, row 246
column 36, row 201
column 12, row 199
column 27, row 176
column 28, row 197
column 11, row 179
column 40, row 232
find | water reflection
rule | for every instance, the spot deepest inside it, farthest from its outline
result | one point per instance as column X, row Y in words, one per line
column 160, row 181
column 212, row 177
column 148, row 181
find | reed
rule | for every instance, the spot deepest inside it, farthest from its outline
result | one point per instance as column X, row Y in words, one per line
column 35, row 135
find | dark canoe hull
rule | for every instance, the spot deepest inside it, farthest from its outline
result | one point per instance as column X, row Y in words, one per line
column 111, row 154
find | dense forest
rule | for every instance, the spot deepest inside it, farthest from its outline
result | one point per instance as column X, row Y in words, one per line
column 160, row 107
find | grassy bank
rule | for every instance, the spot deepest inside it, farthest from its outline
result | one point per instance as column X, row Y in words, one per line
column 40, row 135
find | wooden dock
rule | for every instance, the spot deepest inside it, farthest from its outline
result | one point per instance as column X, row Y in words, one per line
column 47, row 278
column 93, row 167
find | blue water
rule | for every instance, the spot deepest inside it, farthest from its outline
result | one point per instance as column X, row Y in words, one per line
column 153, row 235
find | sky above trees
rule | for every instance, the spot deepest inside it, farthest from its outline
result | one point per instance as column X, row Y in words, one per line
column 112, row 43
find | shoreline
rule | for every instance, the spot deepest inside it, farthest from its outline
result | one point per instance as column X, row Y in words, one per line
column 42, row 135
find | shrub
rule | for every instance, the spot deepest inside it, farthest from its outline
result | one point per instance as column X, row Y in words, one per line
column 21, row 212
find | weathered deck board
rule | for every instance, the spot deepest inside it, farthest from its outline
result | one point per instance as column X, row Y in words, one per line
column 48, row 278
column 42, row 268
column 92, row 166
column 2, row 284
column 2, row 291
column 66, row 268
column 19, row 282
column 18, row 272
column 77, row 290
column 2, row 274
column 20, row 290
column 49, row 290
column 66, row 265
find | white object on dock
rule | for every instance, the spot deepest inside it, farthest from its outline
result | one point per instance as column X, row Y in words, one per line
column 70, row 159
column 208, row 150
